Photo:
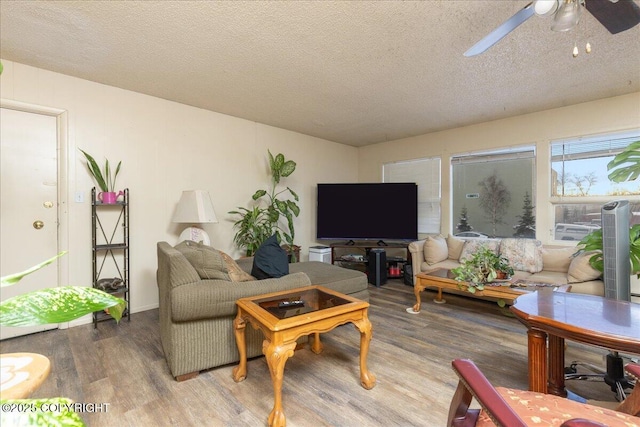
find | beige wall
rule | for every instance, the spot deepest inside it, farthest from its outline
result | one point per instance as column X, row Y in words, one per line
column 606, row 115
column 166, row 147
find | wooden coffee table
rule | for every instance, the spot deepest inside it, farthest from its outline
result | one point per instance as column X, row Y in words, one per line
column 321, row 311
column 552, row 317
column 508, row 290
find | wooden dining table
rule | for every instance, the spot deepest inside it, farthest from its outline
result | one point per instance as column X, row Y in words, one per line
column 553, row 317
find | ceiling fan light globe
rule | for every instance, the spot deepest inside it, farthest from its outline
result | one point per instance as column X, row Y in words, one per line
column 545, row 7
column 568, row 15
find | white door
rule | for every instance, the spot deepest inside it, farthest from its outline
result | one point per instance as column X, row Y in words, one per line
column 28, row 193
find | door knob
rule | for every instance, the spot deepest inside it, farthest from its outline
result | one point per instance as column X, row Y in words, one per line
column 38, row 224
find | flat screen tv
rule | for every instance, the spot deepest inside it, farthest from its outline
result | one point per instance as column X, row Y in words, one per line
column 372, row 211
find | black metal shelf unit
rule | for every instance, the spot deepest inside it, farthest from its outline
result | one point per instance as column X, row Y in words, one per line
column 110, row 250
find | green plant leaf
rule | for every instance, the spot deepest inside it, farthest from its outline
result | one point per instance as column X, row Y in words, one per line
column 295, row 195
column 279, row 161
column 620, row 172
column 57, row 305
column 287, row 168
column 272, row 161
column 258, row 194
column 293, row 207
column 107, row 174
column 281, row 206
column 94, row 170
column 12, row 279
column 634, row 249
column 66, row 417
column 115, row 176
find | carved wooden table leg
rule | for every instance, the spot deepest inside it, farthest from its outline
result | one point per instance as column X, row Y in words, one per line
column 316, row 345
column 367, row 379
column 439, row 299
column 277, row 356
column 556, row 366
column 537, row 342
column 239, row 326
column 417, row 288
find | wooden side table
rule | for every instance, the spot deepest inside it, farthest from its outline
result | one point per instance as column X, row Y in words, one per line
column 21, row 374
column 321, row 311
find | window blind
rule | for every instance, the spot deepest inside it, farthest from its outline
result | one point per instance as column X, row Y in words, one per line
column 425, row 173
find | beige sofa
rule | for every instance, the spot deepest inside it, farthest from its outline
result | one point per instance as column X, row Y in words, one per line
column 529, row 258
column 196, row 314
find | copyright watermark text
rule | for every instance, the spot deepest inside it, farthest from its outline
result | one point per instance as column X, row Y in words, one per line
column 78, row 407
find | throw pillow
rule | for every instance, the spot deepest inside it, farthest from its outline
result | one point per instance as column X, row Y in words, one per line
column 580, row 270
column 206, row 260
column 557, row 259
column 435, row 249
column 523, row 254
column 471, row 246
column 236, row 273
column 455, row 246
column 270, row 260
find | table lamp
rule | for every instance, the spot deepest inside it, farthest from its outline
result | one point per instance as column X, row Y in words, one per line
column 195, row 207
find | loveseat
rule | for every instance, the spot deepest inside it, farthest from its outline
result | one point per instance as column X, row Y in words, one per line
column 198, row 293
column 529, row 258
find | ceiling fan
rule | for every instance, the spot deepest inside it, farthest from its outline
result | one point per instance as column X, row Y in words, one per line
column 614, row 15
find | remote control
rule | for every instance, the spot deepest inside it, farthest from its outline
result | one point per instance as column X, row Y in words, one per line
column 290, row 304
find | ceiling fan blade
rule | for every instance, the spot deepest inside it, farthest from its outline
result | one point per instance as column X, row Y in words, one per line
column 496, row 35
column 616, row 17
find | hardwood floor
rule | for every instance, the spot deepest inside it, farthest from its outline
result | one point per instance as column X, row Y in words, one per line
column 123, row 365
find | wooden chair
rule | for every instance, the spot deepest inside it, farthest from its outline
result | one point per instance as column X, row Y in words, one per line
column 517, row 408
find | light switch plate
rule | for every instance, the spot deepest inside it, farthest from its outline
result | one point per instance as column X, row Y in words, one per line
column 79, row 197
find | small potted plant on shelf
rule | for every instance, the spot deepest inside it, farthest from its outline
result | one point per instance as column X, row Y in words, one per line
column 104, row 179
column 483, row 267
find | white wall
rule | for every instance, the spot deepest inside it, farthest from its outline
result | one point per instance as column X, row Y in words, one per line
column 166, row 147
column 605, row 115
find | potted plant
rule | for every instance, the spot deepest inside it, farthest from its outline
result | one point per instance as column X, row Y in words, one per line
column 483, row 267
column 50, row 305
column 254, row 222
column 252, row 229
column 625, row 166
column 103, row 178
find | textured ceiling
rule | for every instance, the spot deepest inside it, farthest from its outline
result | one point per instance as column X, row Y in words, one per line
column 357, row 73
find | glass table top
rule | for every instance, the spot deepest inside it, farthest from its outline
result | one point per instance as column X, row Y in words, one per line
column 299, row 302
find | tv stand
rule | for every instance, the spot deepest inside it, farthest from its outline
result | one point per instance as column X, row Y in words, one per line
column 360, row 260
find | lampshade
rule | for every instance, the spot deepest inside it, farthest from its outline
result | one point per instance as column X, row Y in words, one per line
column 195, row 207
column 568, row 15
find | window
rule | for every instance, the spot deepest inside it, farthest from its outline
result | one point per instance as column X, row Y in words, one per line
column 580, row 183
column 493, row 193
column 425, row 173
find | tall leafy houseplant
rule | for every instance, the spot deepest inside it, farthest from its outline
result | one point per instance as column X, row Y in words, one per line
column 624, row 167
column 50, row 305
column 103, row 177
column 254, row 222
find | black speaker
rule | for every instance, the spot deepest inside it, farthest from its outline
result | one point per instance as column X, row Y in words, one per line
column 408, row 274
column 377, row 267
